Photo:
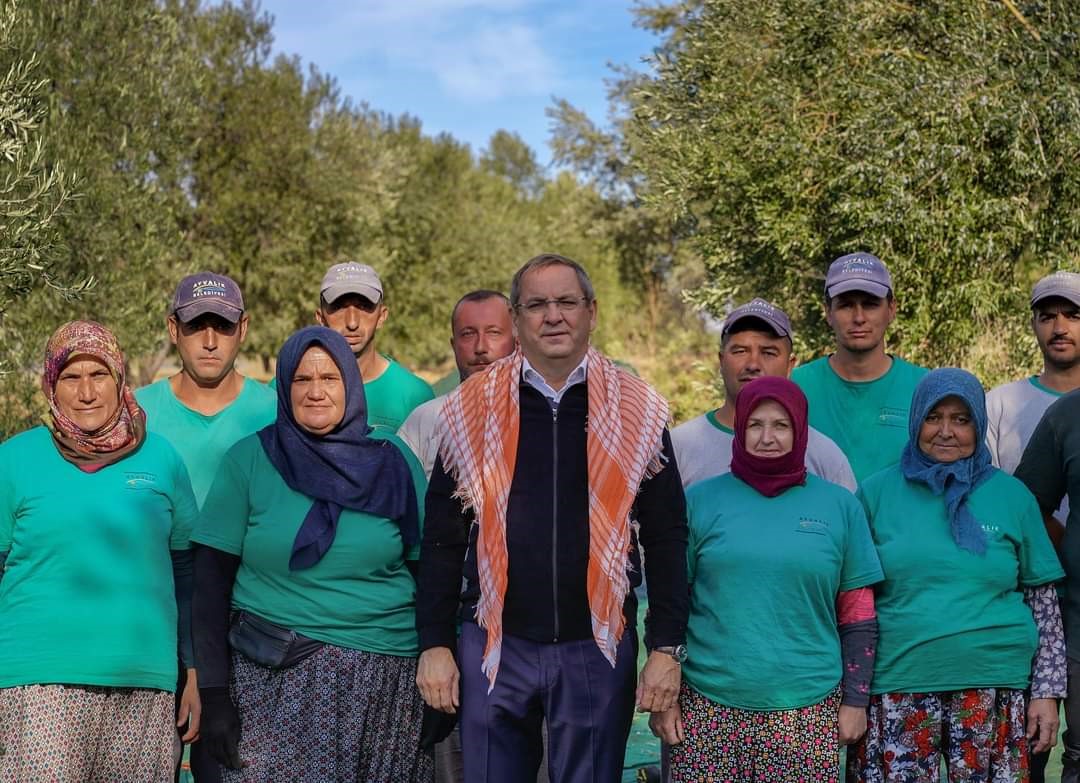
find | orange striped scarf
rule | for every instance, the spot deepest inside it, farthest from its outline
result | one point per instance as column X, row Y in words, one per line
column 478, row 434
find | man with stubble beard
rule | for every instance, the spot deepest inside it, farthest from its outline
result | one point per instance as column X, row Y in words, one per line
column 860, row 395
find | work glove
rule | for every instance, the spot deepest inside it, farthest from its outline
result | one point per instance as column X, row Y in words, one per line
column 220, row 731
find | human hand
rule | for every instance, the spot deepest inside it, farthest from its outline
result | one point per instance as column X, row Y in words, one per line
column 437, row 677
column 1042, row 724
column 851, row 722
column 668, row 725
column 221, row 727
column 190, row 708
column 658, row 684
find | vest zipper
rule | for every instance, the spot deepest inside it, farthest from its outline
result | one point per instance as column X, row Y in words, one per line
column 555, row 518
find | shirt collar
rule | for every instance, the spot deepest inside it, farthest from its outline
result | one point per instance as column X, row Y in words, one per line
column 536, row 380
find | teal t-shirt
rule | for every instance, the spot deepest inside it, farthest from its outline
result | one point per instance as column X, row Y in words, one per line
column 87, row 596
column 764, row 576
column 203, row 440
column 360, row 595
column 392, row 396
column 868, row 420
column 949, row 619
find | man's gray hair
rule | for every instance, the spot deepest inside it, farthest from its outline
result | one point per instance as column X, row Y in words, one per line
column 551, row 259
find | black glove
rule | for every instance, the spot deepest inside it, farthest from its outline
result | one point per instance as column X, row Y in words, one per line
column 220, row 728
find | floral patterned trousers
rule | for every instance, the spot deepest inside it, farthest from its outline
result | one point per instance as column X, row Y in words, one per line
column 979, row 733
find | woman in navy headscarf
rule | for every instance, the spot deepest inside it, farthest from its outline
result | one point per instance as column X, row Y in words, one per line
column 303, row 570
column 967, row 615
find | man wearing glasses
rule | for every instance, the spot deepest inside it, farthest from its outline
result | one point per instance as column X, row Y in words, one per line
column 546, row 459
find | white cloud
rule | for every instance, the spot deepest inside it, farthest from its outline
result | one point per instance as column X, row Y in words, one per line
column 475, row 50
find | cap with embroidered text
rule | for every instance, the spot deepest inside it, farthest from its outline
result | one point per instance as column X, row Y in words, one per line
column 351, row 278
column 858, row 272
column 207, row 292
column 758, row 308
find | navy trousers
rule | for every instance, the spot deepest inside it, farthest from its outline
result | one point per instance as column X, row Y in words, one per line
column 588, row 706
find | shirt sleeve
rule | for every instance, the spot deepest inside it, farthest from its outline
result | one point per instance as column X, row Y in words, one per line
column 185, row 508
column 442, row 562
column 661, row 514
column 861, row 565
column 1038, row 561
column 8, row 502
column 993, row 423
column 420, row 482
column 1042, row 467
column 224, row 518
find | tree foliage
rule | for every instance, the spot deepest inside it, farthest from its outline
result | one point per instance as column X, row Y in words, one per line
column 943, row 136
column 196, row 148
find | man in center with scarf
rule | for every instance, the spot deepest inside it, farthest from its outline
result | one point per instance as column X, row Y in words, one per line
column 553, row 466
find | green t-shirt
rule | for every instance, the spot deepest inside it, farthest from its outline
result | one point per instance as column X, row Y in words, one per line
column 87, row 596
column 203, row 440
column 360, row 595
column 392, row 396
column 949, row 619
column 764, row 576
column 868, row 420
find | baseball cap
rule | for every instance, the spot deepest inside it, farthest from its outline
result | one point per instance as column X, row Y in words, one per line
column 351, row 278
column 763, row 311
column 207, row 292
column 858, row 272
column 1063, row 284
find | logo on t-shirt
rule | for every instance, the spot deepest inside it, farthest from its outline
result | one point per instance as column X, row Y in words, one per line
column 892, row 417
column 811, row 525
column 139, row 480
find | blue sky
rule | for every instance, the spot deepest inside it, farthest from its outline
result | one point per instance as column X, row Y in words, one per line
column 468, row 67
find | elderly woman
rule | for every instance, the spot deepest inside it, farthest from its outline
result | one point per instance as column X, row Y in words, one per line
column 305, row 537
column 91, row 507
column 780, row 640
column 968, row 615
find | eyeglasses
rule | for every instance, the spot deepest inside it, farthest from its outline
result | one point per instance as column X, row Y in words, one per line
column 565, row 304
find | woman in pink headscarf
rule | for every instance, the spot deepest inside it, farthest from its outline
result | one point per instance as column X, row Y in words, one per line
column 95, row 567
column 780, row 641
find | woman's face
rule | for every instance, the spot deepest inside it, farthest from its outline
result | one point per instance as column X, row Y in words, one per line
column 86, row 392
column 318, row 392
column 948, row 431
column 769, row 431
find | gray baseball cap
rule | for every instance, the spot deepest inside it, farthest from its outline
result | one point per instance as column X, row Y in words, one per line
column 351, row 278
column 761, row 310
column 207, row 292
column 858, row 272
column 1060, row 284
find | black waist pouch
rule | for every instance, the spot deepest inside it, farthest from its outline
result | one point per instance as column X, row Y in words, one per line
column 267, row 643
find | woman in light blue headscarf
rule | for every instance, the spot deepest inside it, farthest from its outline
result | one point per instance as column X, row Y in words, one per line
column 971, row 657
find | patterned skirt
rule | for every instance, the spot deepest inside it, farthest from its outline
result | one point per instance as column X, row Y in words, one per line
column 979, row 733
column 86, row 734
column 339, row 716
column 781, row 746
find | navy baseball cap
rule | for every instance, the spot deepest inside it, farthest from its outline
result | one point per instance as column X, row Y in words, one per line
column 207, row 292
column 858, row 272
column 763, row 311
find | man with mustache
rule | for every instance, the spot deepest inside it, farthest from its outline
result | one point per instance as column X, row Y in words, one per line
column 207, row 406
column 351, row 302
column 1014, row 409
column 755, row 341
column 481, row 333
column 860, row 395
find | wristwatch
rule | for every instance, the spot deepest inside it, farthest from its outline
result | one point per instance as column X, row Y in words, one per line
column 678, row 652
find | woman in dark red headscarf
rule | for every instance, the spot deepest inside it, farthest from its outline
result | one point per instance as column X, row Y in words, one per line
column 781, row 633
